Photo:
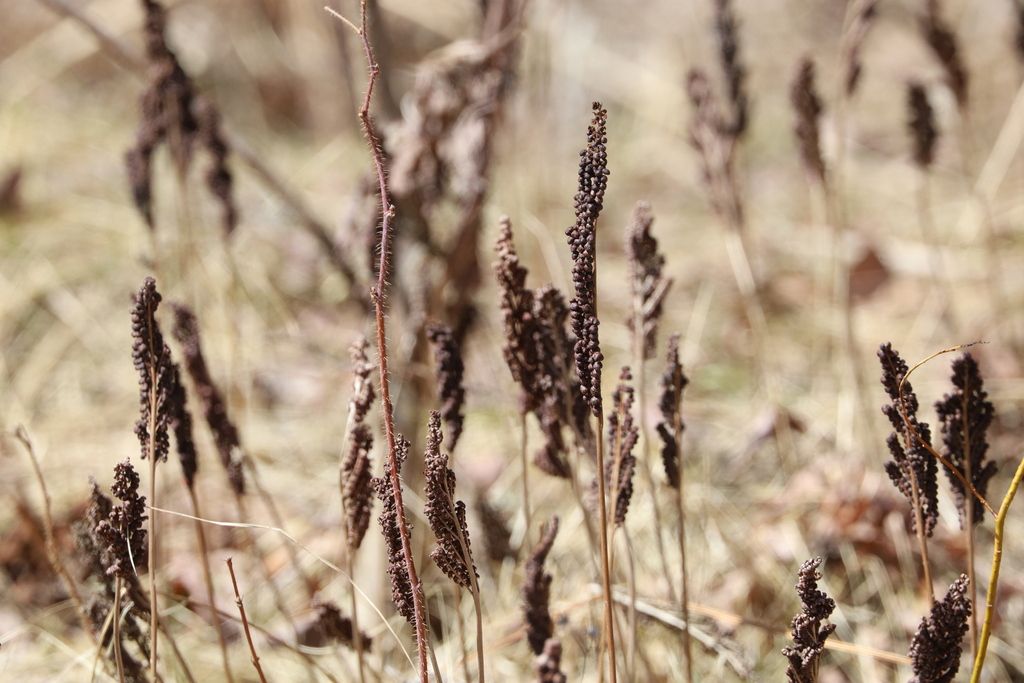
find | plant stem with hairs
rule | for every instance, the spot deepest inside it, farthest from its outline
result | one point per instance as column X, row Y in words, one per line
column 378, row 294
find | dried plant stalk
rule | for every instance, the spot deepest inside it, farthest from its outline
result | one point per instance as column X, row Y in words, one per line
column 582, row 237
column 447, row 517
column 965, row 416
column 153, row 362
column 913, row 470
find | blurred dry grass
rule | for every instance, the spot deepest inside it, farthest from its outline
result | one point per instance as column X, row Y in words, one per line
column 276, row 324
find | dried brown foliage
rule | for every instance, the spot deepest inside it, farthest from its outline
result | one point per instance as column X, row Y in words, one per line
column 809, row 633
column 186, row 331
column 807, row 105
column 648, row 285
column 123, row 537
column 537, row 592
column 935, row 651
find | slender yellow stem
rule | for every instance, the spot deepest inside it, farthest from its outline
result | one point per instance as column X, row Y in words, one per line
column 245, row 622
column 993, row 578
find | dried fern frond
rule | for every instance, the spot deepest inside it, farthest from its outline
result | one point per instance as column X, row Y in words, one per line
column 935, row 650
column 809, row 634
column 965, row 415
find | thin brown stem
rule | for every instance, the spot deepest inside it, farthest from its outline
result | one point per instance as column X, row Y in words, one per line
column 606, row 572
column 52, row 555
column 921, row 535
column 527, row 545
column 154, row 608
column 116, row 640
column 208, row 579
column 245, row 622
column 684, row 596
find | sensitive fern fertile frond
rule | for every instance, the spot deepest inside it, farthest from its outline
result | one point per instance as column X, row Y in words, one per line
column 804, row 97
column 935, row 651
column 401, row 584
column 537, row 592
column 153, row 361
column 593, row 180
column 912, row 462
column 645, row 279
column 965, row 415
column 450, row 371
column 186, row 331
column 673, row 381
column 808, row 632
column 356, row 485
column 124, row 538
column 622, row 435
column 446, row 515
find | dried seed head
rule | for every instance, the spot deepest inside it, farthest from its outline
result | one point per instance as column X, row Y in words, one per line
column 808, row 632
column 186, row 331
column 922, row 125
column 935, row 651
column 537, row 592
column 965, row 416
column 450, row 371
column 912, row 462
column 447, row 516
column 153, row 362
column 648, row 286
column 593, row 180
column 808, row 109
